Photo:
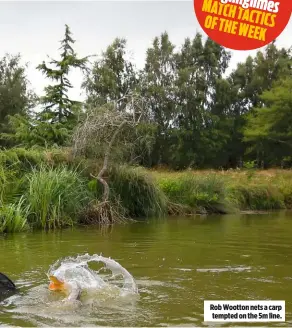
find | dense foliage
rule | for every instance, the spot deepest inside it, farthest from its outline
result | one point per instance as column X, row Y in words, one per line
column 63, row 162
column 197, row 115
column 48, row 190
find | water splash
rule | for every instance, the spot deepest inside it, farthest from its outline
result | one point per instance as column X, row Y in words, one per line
column 77, row 270
column 116, row 292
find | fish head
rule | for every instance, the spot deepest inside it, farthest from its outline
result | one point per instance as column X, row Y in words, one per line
column 56, row 284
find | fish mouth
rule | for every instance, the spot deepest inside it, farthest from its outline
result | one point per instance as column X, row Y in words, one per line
column 55, row 283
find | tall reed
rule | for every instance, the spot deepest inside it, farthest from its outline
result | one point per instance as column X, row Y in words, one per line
column 13, row 217
column 55, row 196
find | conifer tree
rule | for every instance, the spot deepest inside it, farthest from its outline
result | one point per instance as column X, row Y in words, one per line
column 58, row 107
column 55, row 122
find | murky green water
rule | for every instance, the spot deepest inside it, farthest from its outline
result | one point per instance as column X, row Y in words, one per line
column 177, row 264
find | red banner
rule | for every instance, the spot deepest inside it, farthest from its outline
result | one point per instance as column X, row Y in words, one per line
column 243, row 24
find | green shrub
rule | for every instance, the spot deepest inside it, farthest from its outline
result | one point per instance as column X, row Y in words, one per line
column 21, row 158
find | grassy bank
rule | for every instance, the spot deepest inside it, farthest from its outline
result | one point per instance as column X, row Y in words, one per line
column 227, row 191
column 48, row 189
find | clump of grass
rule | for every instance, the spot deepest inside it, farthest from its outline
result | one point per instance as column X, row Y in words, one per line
column 13, row 217
column 201, row 193
column 136, row 191
column 10, row 185
column 55, row 196
column 256, row 197
column 284, row 186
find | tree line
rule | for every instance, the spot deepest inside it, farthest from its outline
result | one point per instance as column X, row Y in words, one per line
column 196, row 115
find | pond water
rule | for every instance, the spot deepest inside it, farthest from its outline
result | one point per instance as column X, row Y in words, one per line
column 177, row 263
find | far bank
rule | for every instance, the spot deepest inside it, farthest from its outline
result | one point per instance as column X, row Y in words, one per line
column 48, row 189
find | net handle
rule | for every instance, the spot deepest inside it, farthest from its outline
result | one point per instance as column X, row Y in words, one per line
column 3, row 277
